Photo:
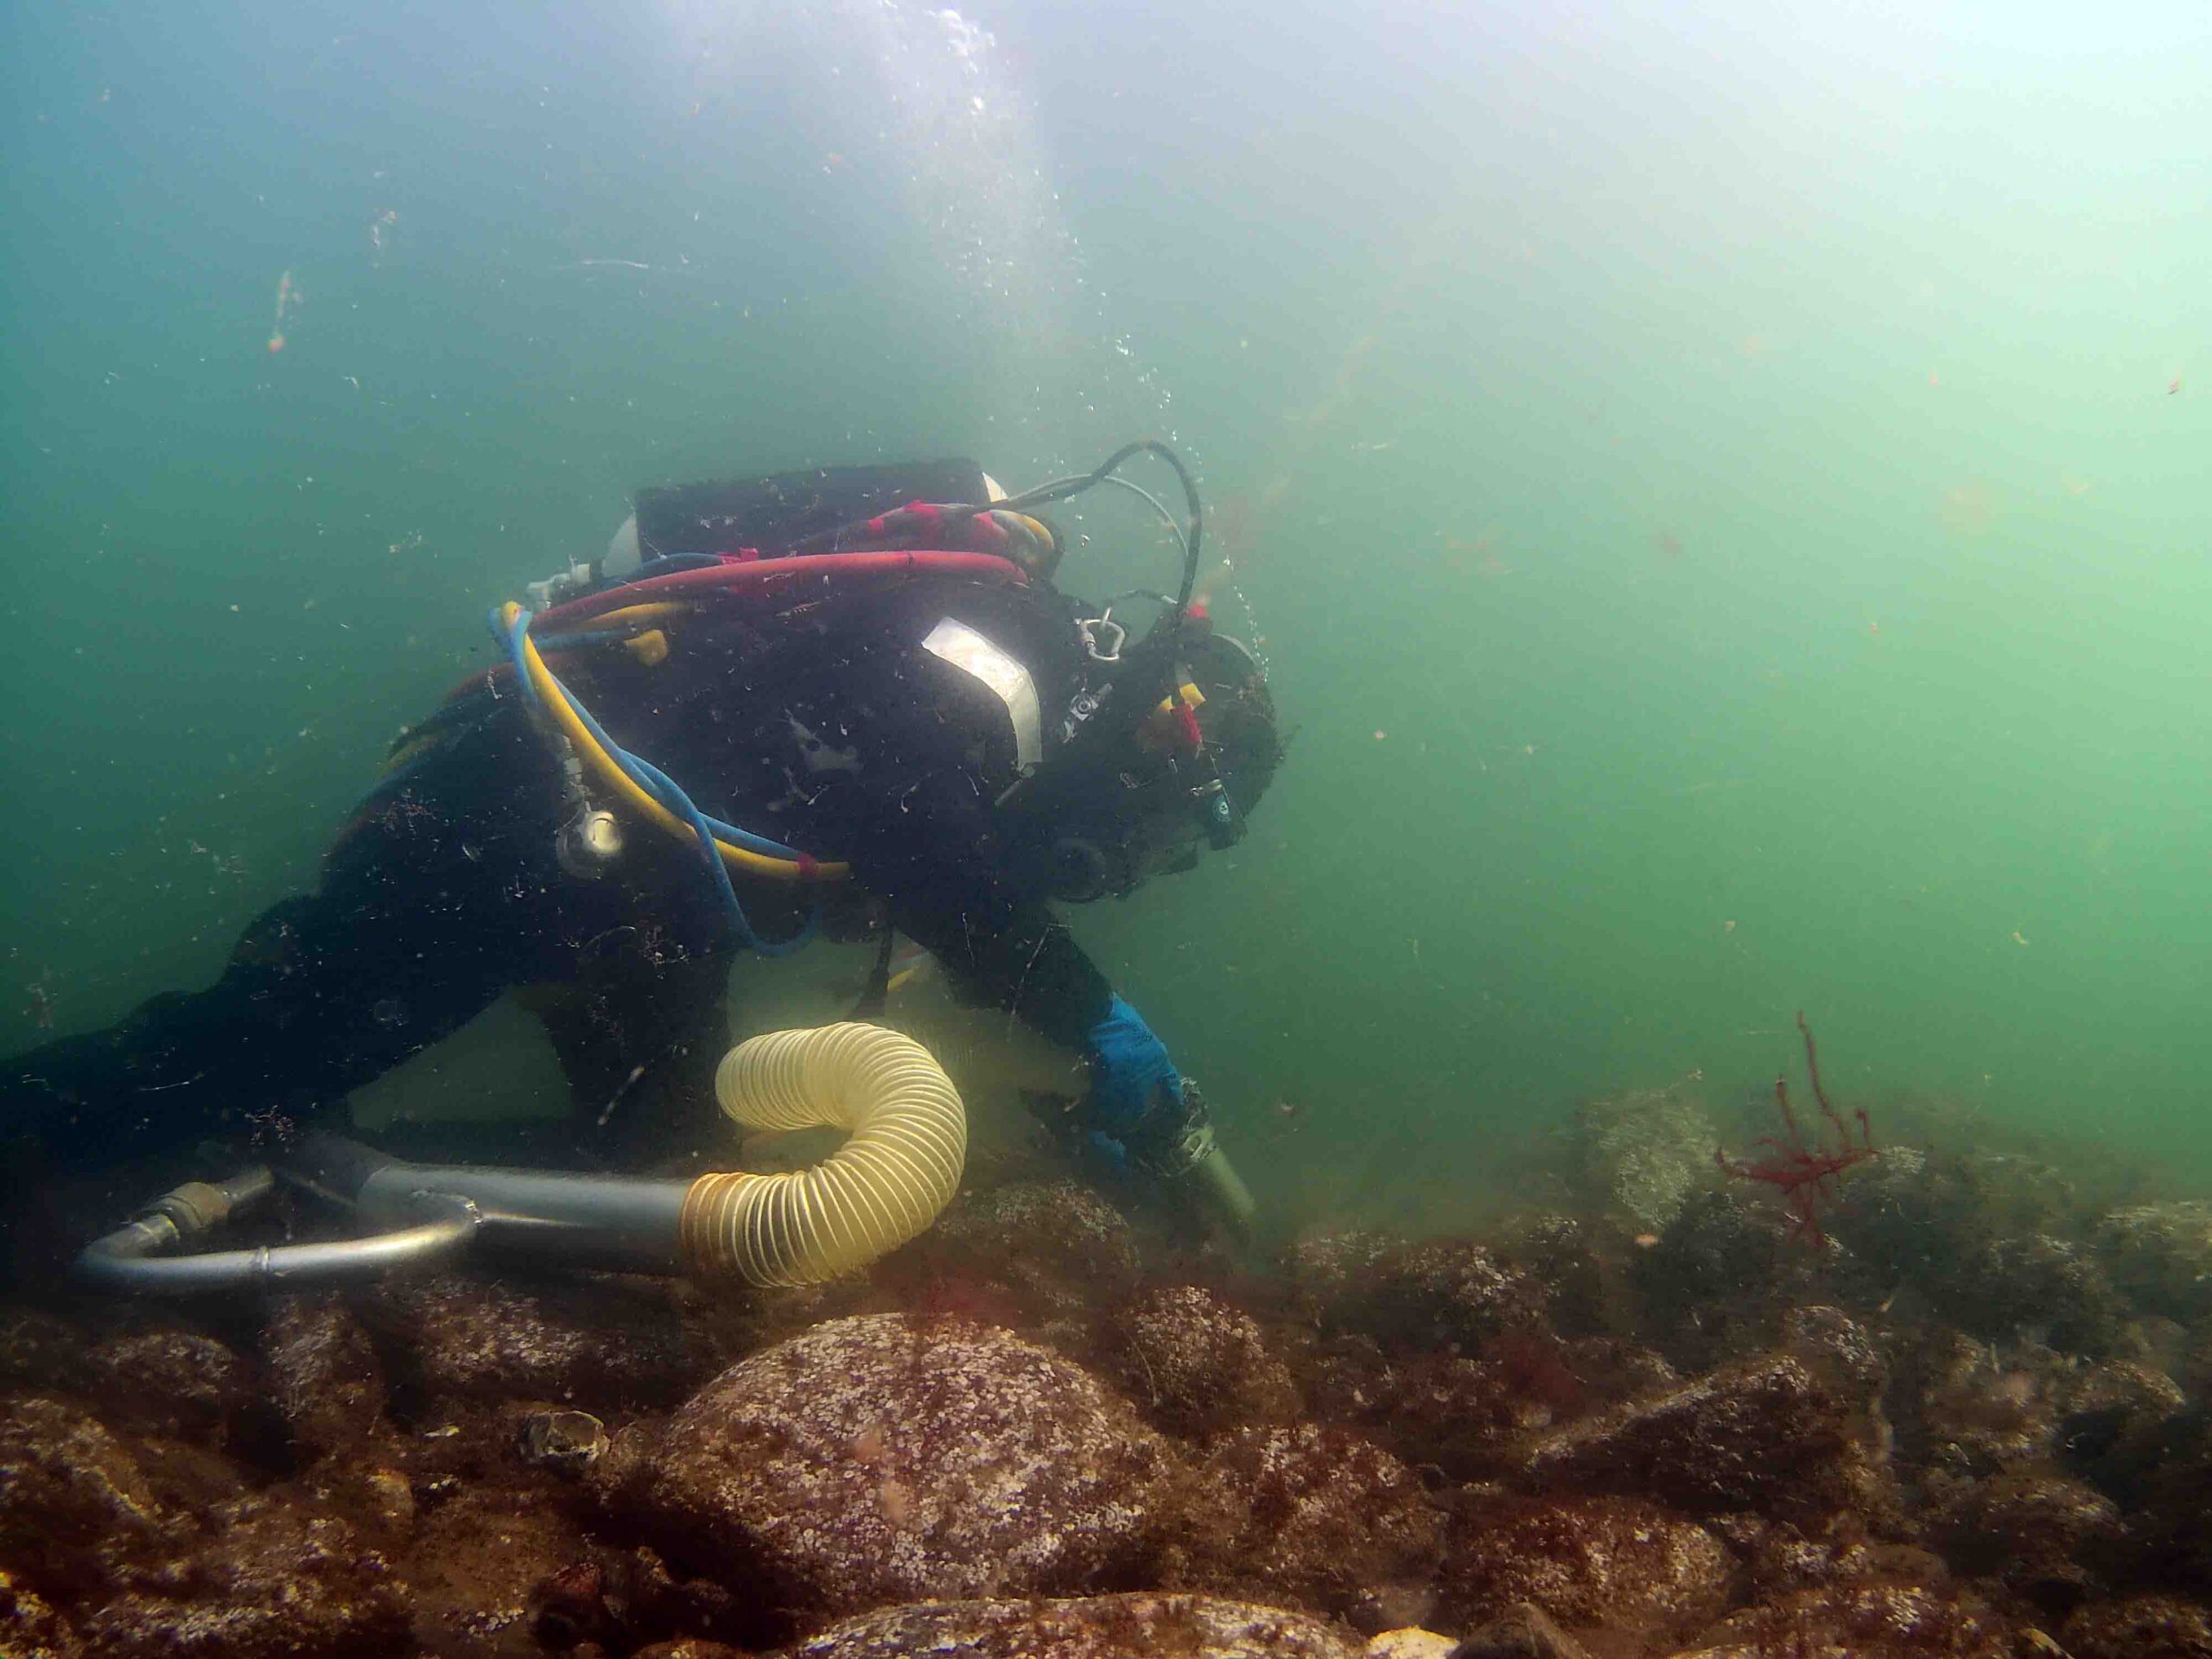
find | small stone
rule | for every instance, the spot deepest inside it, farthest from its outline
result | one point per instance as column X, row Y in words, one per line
column 566, row 1442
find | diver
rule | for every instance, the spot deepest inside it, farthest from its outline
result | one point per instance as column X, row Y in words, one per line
column 847, row 702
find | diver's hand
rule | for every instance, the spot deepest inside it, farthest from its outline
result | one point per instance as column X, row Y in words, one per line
column 1133, row 1080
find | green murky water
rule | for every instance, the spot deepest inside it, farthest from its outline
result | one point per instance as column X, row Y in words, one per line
column 1722, row 491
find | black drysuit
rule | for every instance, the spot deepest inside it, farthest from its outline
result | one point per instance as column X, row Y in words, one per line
column 832, row 730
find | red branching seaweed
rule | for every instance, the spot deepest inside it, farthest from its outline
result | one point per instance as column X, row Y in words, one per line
column 1805, row 1175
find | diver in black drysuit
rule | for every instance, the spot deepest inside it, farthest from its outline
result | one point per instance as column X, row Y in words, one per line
column 829, row 726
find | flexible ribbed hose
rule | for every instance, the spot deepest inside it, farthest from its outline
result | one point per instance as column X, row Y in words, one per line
column 899, row 1167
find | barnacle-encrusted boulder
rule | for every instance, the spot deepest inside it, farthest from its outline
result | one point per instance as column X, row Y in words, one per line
column 470, row 1338
column 2037, row 1282
column 1724, row 1273
column 1317, row 1517
column 1641, row 1154
column 72, row 1497
column 2160, row 1255
column 1194, row 1364
column 30, row 1628
column 1055, row 1247
column 1324, row 1269
column 1448, row 1294
column 1600, row 1563
column 2142, row 1627
column 1100, row 1627
column 272, row 1578
column 2112, row 1424
column 2054, row 1541
column 471, row 1570
column 886, row 1459
column 1868, row 1621
column 323, row 1375
column 1768, row 1434
column 1966, row 1407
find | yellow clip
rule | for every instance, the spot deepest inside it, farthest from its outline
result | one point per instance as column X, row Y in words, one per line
column 1161, row 728
column 650, row 648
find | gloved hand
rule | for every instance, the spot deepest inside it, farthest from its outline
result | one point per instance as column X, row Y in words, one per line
column 1144, row 1116
column 1131, row 1076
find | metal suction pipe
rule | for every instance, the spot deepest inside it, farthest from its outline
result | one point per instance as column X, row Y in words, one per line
column 133, row 1257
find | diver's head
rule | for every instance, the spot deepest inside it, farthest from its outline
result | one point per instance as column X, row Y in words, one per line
column 1165, row 780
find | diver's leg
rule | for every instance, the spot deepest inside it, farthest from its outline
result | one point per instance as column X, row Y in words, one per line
column 640, row 1033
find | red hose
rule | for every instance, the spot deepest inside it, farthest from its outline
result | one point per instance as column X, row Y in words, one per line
column 759, row 573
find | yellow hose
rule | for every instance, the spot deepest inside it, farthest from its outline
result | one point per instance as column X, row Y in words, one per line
column 604, row 768
column 908, row 1139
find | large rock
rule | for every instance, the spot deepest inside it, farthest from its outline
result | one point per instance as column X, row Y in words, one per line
column 274, row 1579
column 1879, row 1621
column 1640, row 1155
column 1103, row 1627
column 1768, row 1434
column 2143, row 1627
column 1316, row 1517
column 1049, row 1249
column 2054, row 1542
column 1195, row 1365
column 1615, row 1564
column 2160, row 1255
column 598, row 1343
column 884, row 1459
column 1445, row 1293
column 72, row 1497
column 323, row 1374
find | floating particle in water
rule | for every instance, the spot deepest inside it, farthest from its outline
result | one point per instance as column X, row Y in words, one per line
column 287, row 301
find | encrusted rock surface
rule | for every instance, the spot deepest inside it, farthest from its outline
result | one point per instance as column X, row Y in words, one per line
column 1194, row 1364
column 1315, row 1517
column 1642, row 1154
column 324, row 1378
column 882, row 1459
column 473, row 1338
column 1101, row 1627
column 1599, row 1563
column 1876, row 1621
column 2142, row 1627
column 271, row 1579
column 1766, row 1434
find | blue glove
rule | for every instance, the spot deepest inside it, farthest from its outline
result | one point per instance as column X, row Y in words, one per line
column 1129, row 1073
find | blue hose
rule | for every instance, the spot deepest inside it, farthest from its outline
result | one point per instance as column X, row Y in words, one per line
column 670, row 794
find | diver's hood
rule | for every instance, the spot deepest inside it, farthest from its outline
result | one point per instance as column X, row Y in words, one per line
column 1126, row 795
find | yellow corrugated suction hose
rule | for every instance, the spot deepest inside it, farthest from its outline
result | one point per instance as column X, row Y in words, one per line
column 900, row 1166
